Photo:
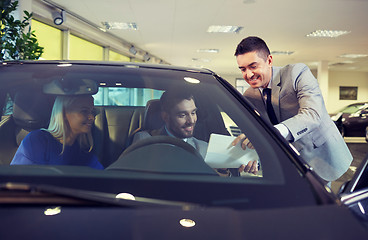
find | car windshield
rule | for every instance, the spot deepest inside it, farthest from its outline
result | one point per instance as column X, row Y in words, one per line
column 352, row 108
column 160, row 167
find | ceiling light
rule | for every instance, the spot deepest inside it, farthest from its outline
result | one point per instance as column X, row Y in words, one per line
column 146, row 57
column 208, row 50
column 120, row 25
column 224, row 29
column 51, row 211
column 348, row 62
column 64, row 65
column 132, row 50
column 187, row 223
column 191, row 80
column 58, row 17
column 327, row 33
column 131, row 66
column 201, row 59
column 282, row 52
column 354, row 55
column 126, row 196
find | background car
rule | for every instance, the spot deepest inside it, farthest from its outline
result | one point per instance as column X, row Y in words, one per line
column 344, row 112
column 159, row 188
column 353, row 120
column 354, row 124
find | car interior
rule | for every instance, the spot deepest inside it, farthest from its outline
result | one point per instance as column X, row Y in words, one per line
column 126, row 101
column 114, row 126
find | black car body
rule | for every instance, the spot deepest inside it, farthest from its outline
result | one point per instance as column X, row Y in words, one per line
column 160, row 189
column 352, row 120
column 355, row 124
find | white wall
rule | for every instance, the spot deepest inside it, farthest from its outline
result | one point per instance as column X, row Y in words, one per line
column 348, row 79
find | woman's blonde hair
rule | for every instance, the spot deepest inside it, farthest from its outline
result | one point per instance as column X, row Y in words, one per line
column 59, row 126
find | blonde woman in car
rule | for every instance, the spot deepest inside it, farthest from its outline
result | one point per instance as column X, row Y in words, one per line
column 68, row 139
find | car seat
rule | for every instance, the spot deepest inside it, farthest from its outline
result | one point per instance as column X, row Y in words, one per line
column 152, row 116
column 31, row 110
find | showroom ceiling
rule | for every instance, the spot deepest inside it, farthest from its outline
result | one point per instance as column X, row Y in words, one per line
column 177, row 31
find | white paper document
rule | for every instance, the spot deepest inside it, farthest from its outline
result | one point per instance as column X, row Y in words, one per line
column 221, row 154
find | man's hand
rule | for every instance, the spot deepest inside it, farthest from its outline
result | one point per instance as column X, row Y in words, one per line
column 251, row 167
column 244, row 142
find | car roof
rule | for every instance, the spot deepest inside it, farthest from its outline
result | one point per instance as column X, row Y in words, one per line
column 106, row 73
column 109, row 63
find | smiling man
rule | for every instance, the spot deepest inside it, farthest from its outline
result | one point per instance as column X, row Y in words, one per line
column 290, row 98
column 179, row 112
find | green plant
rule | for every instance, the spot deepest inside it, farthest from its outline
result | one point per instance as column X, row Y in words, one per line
column 18, row 41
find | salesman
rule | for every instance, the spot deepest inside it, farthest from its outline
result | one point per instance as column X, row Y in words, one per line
column 291, row 99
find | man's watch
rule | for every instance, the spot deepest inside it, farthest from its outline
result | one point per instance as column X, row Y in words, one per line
column 224, row 172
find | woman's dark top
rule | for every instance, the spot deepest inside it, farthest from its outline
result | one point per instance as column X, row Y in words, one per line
column 41, row 148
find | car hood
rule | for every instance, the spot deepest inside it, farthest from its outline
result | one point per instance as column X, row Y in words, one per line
column 316, row 222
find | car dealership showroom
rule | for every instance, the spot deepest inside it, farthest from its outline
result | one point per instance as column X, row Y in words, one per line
column 154, row 119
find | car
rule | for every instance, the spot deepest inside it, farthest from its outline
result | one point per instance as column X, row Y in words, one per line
column 160, row 187
column 355, row 124
column 352, row 120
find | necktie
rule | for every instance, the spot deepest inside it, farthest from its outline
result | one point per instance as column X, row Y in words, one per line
column 270, row 111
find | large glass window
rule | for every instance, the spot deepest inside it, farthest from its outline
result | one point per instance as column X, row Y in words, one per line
column 80, row 49
column 50, row 39
column 114, row 56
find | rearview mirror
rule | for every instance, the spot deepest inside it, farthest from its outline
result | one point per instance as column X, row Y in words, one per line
column 71, row 87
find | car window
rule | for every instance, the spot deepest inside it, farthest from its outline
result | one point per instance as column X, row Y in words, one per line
column 352, row 109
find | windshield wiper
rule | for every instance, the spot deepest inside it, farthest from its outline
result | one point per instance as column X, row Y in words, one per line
column 22, row 193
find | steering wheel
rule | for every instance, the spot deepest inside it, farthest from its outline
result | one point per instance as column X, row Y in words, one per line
column 162, row 154
column 162, row 140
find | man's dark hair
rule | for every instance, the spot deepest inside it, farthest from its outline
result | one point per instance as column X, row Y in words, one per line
column 251, row 44
column 172, row 97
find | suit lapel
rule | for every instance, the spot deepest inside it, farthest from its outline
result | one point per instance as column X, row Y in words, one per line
column 191, row 142
column 276, row 87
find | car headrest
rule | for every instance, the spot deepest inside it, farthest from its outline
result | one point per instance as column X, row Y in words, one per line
column 152, row 115
column 32, row 110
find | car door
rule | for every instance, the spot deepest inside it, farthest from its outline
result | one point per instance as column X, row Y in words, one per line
column 363, row 122
column 354, row 194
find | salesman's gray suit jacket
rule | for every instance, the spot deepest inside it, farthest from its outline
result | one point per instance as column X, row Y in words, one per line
column 199, row 145
column 299, row 105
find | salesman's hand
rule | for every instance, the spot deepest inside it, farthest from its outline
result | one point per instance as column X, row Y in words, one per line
column 251, row 167
column 244, row 141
